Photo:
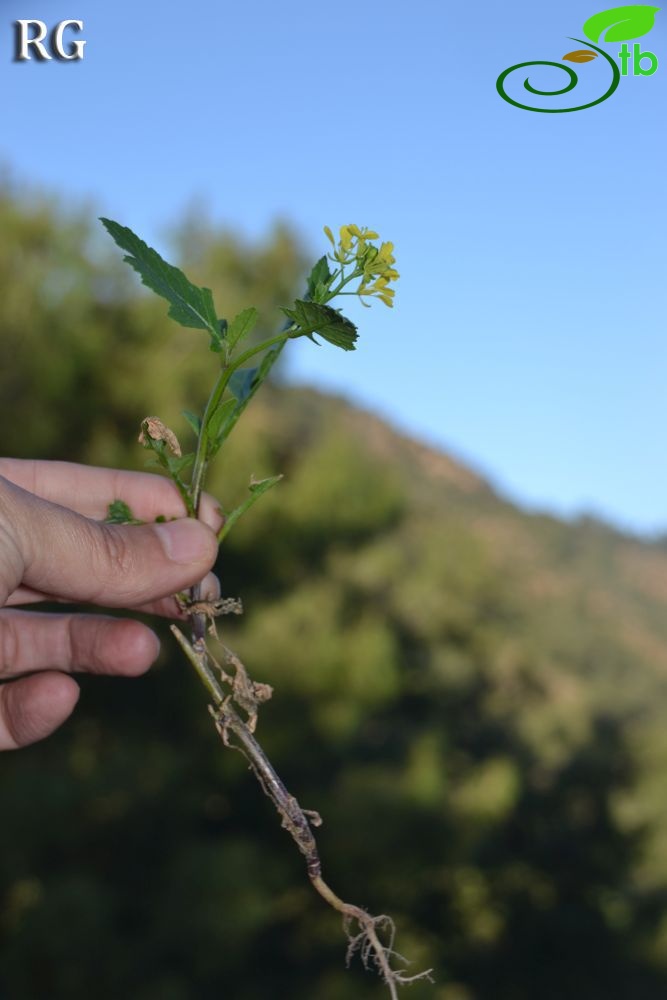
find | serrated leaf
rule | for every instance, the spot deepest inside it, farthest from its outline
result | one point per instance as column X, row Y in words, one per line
column 257, row 489
column 118, row 512
column 241, row 326
column 621, row 23
column 318, row 278
column 328, row 323
column 581, row 56
column 193, row 420
column 189, row 305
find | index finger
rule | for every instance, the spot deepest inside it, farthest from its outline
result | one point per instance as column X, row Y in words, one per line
column 89, row 490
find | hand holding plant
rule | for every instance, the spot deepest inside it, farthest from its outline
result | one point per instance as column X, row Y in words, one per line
column 358, row 266
column 53, row 547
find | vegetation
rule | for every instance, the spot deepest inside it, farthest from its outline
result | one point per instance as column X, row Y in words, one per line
column 241, row 367
column 470, row 695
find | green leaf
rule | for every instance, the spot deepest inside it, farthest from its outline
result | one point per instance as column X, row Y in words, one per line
column 623, row 23
column 172, row 464
column 159, row 448
column 318, row 279
column 257, row 489
column 189, row 305
column 250, row 386
column 331, row 325
column 216, row 427
column 118, row 512
column 241, row 326
column 193, row 420
column 240, row 383
column 178, row 464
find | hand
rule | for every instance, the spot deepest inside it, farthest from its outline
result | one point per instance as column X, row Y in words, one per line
column 54, row 547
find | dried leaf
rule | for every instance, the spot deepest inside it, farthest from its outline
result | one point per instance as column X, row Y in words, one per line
column 581, row 55
column 152, row 428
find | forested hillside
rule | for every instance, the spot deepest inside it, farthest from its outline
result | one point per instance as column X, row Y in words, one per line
column 472, row 696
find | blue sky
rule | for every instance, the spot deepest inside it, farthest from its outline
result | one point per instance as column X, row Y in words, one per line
column 528, row 334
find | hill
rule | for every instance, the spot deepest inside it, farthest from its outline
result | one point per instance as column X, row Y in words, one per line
column 505, row 671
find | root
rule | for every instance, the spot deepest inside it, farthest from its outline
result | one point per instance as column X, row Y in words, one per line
column 366, row 942
column 238, row 734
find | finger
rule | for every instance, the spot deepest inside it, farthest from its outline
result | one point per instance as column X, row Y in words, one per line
column 24, row 595
column 53, row 550
column 89, row 490
column 32, row 707
column 165, row 607
column 97, row 644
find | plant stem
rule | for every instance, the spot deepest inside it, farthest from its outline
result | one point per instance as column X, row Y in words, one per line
column 292, row 815
column 294, row 819
column 199, row 661
column 252, row 351
column 228, row 369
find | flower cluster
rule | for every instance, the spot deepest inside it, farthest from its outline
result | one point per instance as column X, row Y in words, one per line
column 373, row 264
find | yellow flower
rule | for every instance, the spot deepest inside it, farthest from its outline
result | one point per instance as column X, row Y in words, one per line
column 372, row 263
column 379, row 288
column 361, row 234
column 346, row 237
column 378, row 262
column 352, row 243
column 385, row 253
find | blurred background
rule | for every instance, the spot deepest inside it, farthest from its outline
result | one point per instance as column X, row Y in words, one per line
column 459, row 589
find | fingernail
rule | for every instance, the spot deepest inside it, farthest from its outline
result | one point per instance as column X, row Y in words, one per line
column 184, row 541
column 210, row 587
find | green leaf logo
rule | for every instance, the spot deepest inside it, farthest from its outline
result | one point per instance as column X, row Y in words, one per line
column 621, row 23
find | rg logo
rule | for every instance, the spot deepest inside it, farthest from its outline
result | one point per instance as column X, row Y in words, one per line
column 27, row 38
